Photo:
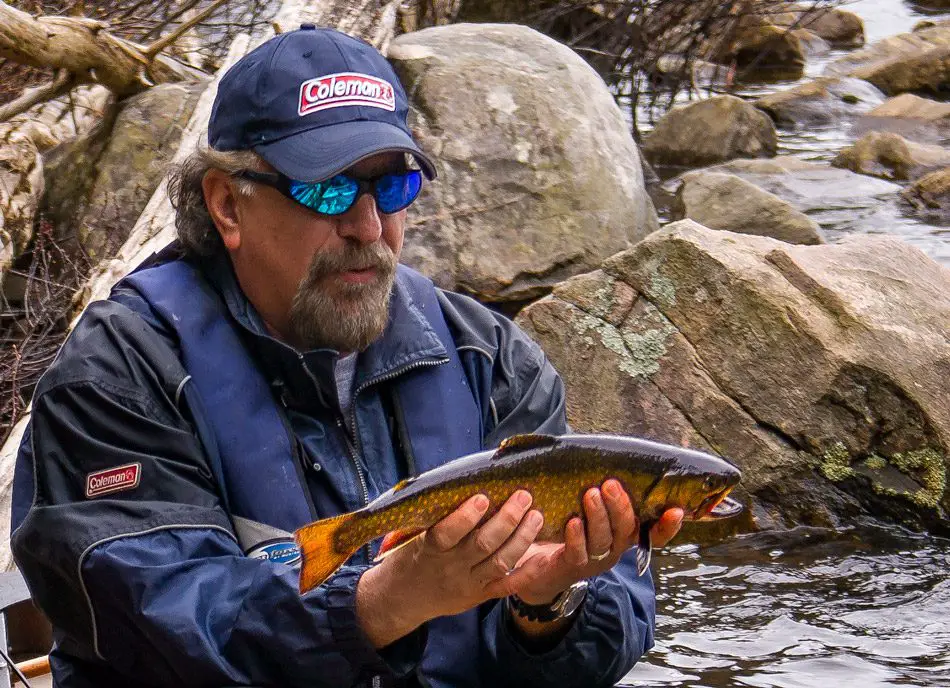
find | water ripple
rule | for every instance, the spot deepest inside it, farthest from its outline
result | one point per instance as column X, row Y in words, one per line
column 866, row 608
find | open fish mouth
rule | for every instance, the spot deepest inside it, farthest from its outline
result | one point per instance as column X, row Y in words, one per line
column 719, row 506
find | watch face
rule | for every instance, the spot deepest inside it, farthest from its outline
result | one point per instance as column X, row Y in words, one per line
column 575, row 596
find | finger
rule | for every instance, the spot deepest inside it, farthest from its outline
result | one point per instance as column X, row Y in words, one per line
column 599, row 535
column 575, row 544
column 496, row 530
column 667, row 527
column 623, row 521
column 450, row 531
column 533, row 569
column 507, row 556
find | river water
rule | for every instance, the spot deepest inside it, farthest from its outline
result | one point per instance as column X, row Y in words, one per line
column 864, row 205
column 812, row 608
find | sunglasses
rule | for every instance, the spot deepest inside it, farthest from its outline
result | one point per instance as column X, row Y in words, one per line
column 393, row 191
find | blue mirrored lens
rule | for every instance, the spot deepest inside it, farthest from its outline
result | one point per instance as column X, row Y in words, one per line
column 337, row 195
column 332, row 197
column 396, row 191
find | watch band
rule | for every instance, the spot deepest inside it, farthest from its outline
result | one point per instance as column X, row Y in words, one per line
column 563, row 605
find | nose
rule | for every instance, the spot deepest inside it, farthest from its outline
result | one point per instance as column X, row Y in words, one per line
column 362, row 222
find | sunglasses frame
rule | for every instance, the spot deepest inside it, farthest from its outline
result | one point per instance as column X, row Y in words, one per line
column 282, row 183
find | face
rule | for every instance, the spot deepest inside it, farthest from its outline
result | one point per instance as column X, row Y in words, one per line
column 318, row 281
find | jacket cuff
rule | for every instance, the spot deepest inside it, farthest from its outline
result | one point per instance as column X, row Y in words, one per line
column 375, row 667
column 560, row 661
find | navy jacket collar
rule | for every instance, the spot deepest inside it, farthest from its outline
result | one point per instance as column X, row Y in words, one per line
column 407, row 341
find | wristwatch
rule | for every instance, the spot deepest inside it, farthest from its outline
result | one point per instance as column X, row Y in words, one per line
column 562, row 607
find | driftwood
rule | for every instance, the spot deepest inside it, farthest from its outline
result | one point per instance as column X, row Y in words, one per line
column 155, row 227
column 87, row 50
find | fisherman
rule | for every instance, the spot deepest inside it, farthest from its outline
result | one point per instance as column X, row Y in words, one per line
column 276, row 366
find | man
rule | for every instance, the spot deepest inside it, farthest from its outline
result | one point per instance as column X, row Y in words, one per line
column 278, row 366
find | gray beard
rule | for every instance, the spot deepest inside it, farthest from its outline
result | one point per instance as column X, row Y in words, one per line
column 341, row 316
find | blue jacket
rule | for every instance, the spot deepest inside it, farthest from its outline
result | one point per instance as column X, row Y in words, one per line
column 177, row 570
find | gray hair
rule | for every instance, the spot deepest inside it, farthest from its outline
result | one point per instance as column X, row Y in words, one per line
column 196, row 231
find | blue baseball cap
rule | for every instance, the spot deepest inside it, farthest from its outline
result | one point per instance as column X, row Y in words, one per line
column 313, row 102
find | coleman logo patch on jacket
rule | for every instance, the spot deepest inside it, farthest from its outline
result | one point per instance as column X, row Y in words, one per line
column 345, row 88
column 113, row 480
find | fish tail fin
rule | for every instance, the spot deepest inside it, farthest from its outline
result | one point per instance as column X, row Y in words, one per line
column 644, row 548
column 395, row 540
column 323, row 550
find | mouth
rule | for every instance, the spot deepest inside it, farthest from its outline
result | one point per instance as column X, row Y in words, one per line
column 359, row 275
column 718, row 506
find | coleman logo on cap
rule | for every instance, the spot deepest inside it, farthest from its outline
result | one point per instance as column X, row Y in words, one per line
column 346, row 88
column 113, row 480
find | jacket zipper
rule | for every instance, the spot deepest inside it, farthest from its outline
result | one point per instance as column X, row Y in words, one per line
column 353, row 434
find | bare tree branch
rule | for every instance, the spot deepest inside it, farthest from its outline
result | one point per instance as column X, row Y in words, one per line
column 61, row 85
column 170, row 38
column 85, row 48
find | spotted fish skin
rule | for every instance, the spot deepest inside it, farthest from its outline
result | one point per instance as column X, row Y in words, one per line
column 557, row 471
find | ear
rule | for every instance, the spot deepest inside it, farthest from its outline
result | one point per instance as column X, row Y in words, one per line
column 221, row 200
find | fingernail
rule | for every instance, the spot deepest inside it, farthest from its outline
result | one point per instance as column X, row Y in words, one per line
column 481, row 502
column 535, row 519
column 612, row 489
column 524, row 499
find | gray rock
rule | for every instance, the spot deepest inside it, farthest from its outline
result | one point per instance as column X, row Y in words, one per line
column 838, row 200
column 820, row 370
column 711, row 131
column 929, row 196
column 915, row 61
column 539, row 177
column 911, row 116
column 891, row 156
column 98, row 185
column 821, row 101
column 727, row 202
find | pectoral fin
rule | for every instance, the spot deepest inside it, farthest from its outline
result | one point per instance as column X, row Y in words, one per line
column 644, row 548
column 394, row 541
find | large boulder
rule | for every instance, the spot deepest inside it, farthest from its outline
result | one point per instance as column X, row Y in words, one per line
column 915, row 61
column 891, row 156
column 98, row 185
column 930, row 196
column 725, row 201
column 911, row 116
column 820, row 370
column 711, row 131
column 821, row 101
column 539, row 177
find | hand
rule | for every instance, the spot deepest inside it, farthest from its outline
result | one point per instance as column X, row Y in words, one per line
column 612, row 528
column 454, row 566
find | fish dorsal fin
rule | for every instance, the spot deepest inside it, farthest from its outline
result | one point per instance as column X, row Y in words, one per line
column 403, row 484
column 517, row 443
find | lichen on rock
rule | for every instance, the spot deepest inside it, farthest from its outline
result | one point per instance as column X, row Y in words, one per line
column 927, row 466
column 836, row 463
column 662, row 290
column 640, row 352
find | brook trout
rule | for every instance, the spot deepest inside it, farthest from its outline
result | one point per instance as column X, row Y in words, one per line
column 557, row 471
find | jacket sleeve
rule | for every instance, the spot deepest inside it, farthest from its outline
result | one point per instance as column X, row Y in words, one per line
column 616, row 623
column 148, row 578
